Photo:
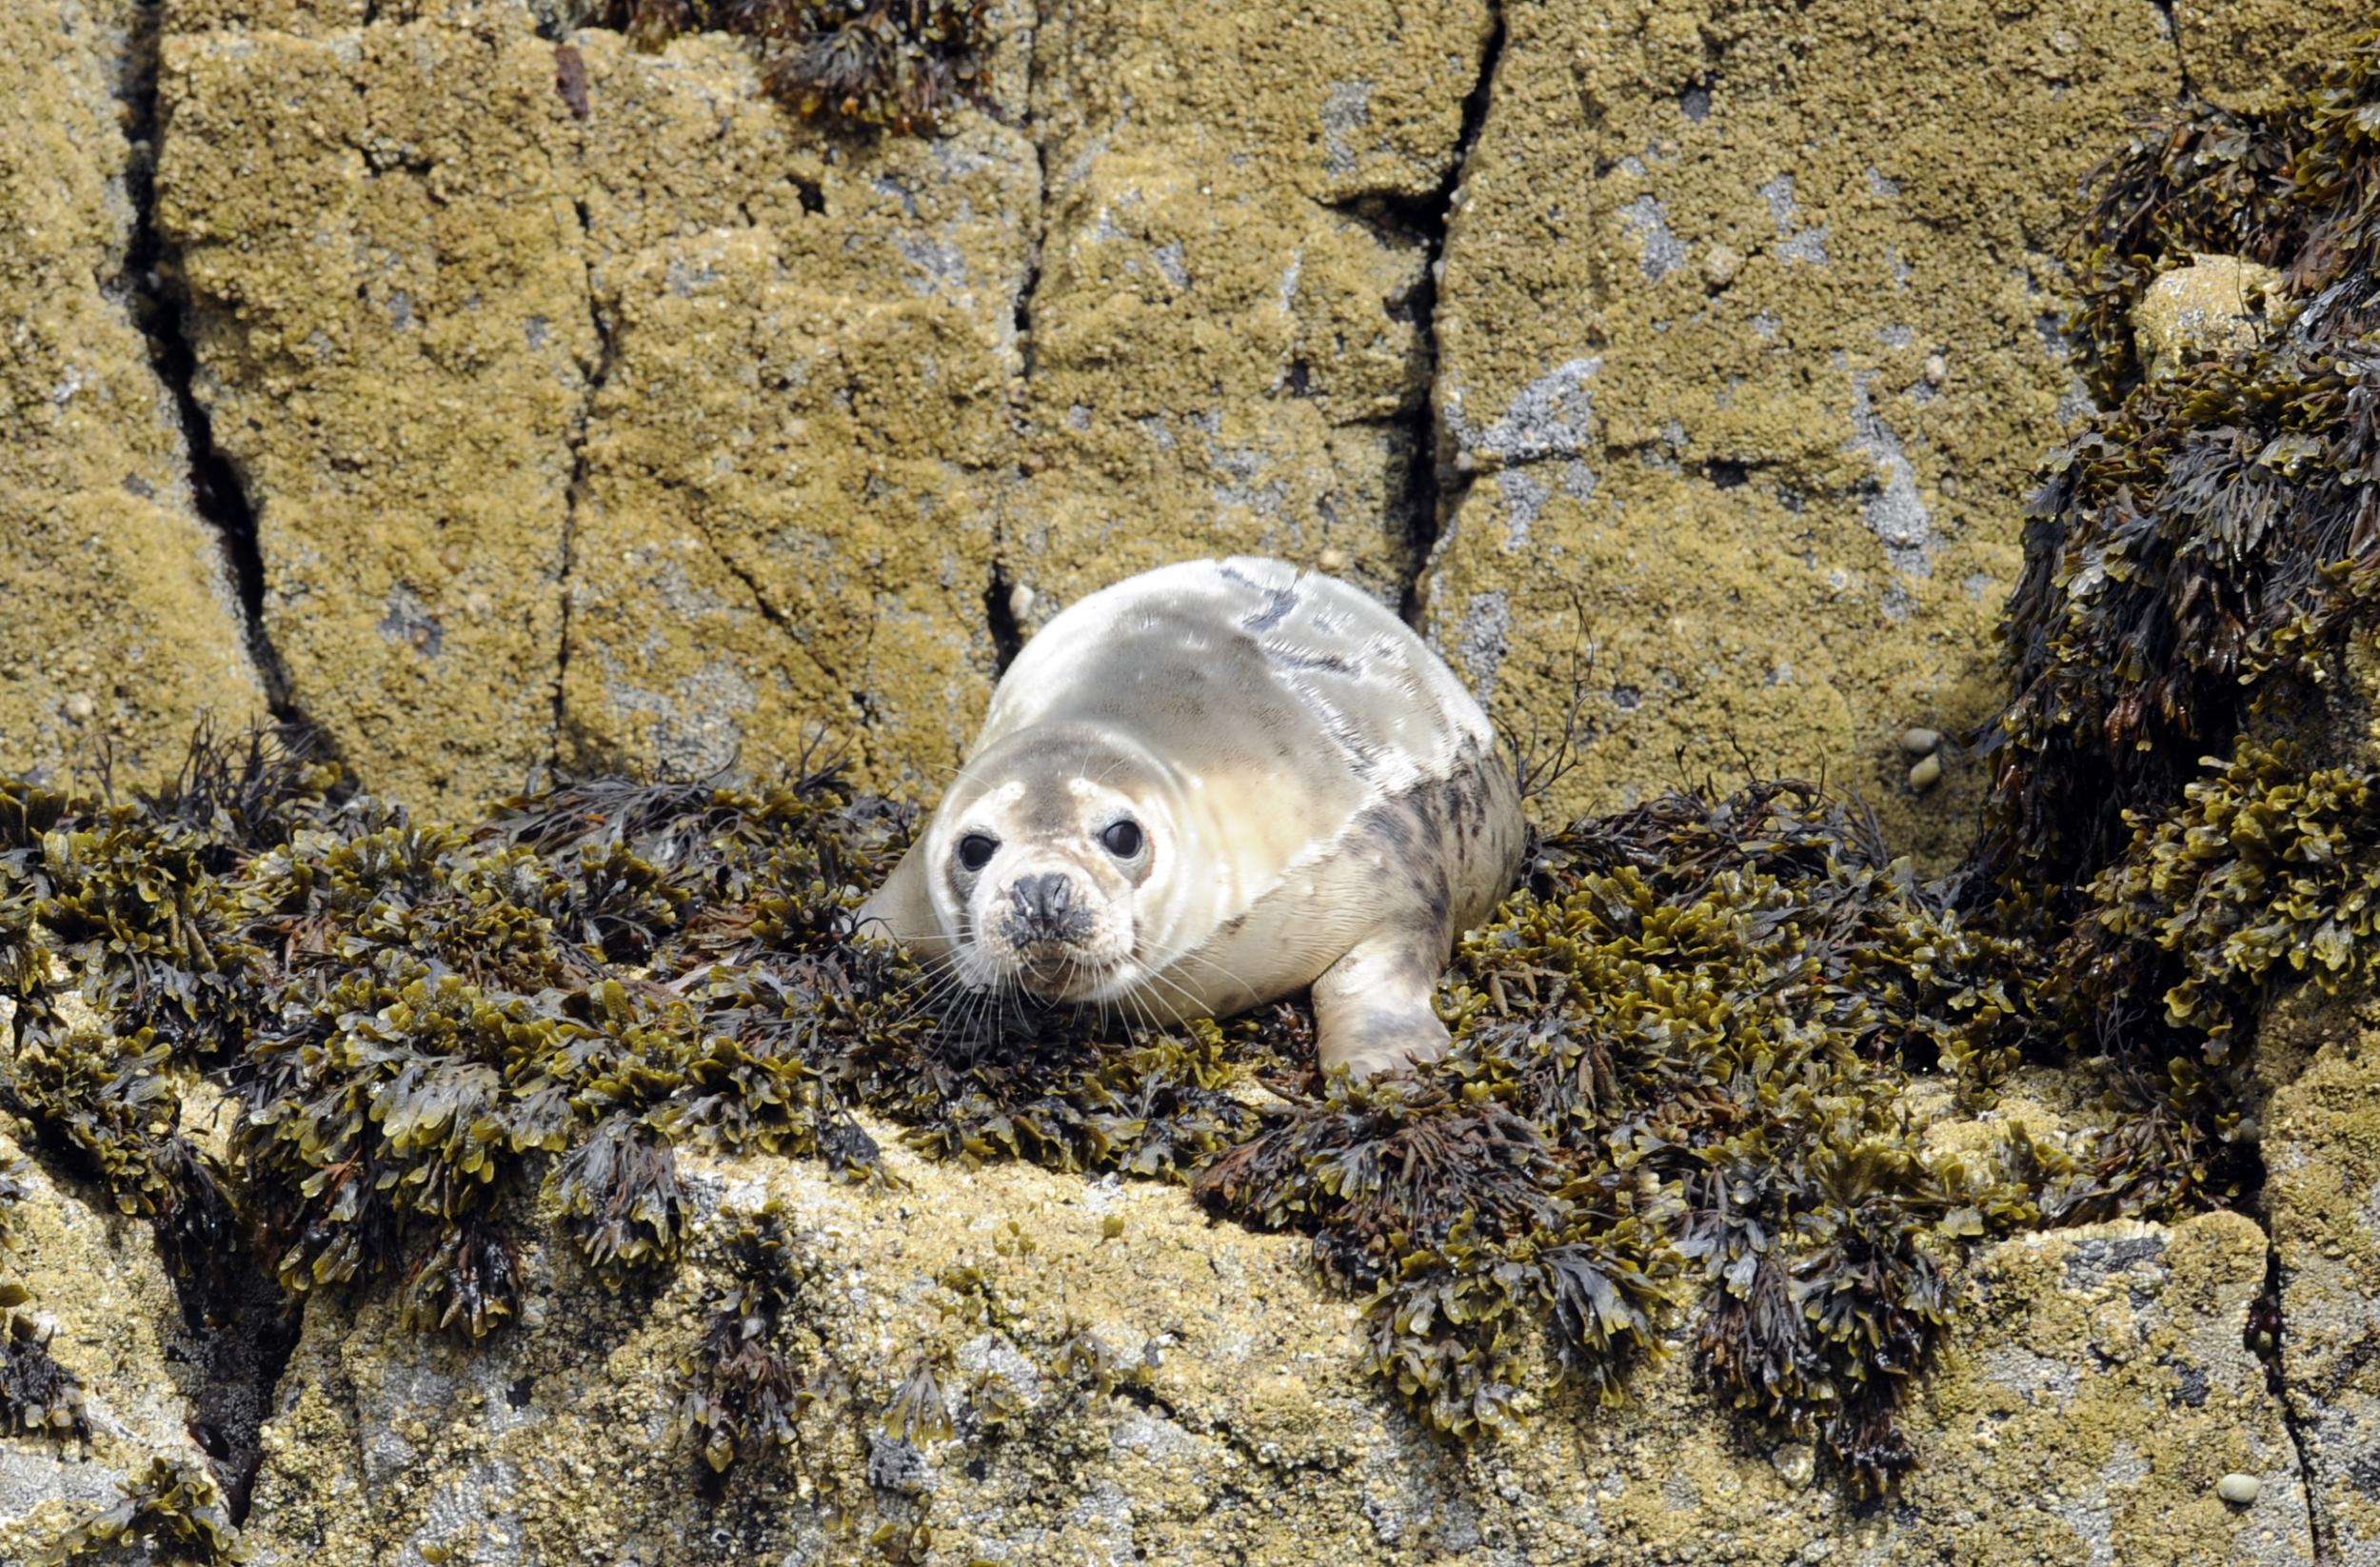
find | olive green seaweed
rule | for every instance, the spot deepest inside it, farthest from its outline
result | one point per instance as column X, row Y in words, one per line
column 171, row 1512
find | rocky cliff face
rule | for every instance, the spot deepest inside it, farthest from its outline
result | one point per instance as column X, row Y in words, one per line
column 577, row 406
column 496, row 397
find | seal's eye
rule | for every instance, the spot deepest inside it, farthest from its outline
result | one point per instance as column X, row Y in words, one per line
column 975, row 850
column 1122, row 838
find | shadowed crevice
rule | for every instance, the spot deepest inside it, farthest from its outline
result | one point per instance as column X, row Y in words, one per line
column 1000, row 617
column 1431, row 492
column 575, row 495
column 999, row 620
column 159, row 304
column 2267, row 1329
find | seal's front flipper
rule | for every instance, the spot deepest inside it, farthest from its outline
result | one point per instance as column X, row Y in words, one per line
column 1372, row 1009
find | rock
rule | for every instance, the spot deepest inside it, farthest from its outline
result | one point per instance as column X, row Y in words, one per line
column 2095, row 1393
column 1926, row 773
column 123, row 624
column 795, row 463
column 1921, row 741
column 2321, row 1147
column 1704, row 491
column 1231, row 331
column 2254, row 55
column 115, row 1321
column 390, row 311
column 2204, row 310
column 663, row 437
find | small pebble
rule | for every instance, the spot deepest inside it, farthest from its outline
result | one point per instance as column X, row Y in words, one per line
column 1333, row 559
column 1720, row 266
column 1020, row 601
column 1921, row 741
column 80, row 708
column 1926, row 773
column 2239, row 1490
column 1937, row 369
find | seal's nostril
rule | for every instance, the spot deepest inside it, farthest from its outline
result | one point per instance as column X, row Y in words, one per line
column 1042, row 902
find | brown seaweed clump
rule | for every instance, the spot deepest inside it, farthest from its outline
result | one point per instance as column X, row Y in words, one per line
column 1675, row 1087
column 2208, row 535
column 1679, row 1054
column 903, row 66
column 2197, row 558
column 168, row 1513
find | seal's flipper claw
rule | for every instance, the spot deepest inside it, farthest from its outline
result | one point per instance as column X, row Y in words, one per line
column 1372, row 1010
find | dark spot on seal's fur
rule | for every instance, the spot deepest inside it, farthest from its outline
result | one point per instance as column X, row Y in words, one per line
column 1278, row 601
column 1306, row 662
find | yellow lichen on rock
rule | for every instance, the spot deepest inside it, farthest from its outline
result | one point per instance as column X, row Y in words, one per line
column 390, row 313
column 1230, row 333
column 121, row 624
column 2251, row 56
column 2098, row 1395
column 793, row 467
column 1771, row 497
column 2321, row 1142
column 103, row 1296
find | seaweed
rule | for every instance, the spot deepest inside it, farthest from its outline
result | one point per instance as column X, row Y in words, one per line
column 171, row 1512
column 37, row 1394
column 745, row 1387
column 1679, row 1057
column 1669, row 1046
column 902, row 65
column 2202, row 540
column 2197, row 558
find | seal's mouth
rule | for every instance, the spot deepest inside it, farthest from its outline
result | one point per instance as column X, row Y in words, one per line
column 1058, row 970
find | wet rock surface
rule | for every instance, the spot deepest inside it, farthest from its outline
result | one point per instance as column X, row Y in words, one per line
column 1791, row 345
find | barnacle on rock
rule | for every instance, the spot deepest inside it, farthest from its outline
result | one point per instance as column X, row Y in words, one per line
column 897, row 65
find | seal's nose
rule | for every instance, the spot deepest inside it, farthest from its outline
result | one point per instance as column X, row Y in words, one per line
column 1044, row 905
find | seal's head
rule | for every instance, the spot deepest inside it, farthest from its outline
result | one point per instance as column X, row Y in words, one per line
column 1051, row 862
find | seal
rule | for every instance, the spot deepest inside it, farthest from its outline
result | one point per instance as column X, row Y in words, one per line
column 1213, row 785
